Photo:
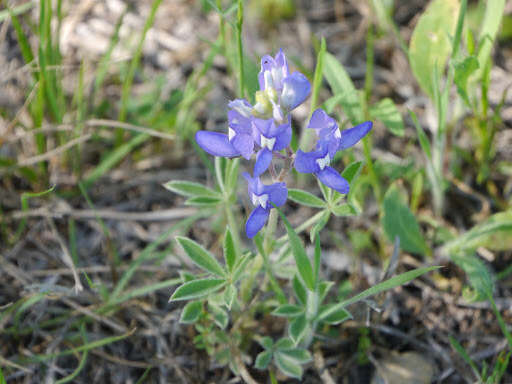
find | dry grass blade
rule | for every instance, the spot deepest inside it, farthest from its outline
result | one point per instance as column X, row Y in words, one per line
column 54, row 152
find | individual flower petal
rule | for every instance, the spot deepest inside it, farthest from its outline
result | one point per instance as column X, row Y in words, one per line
column 256, row 221
column 254, row 184
column 244, row 144
column 216, row 144
column 323, row 124
column 273, row 71
column 278, row 193
column 305, row 162
column 283, row 137
column 263, row 160
column 351, row 136
column 241, row 106
column 264, row 127
column 331, row 178
column 296, row 89
column 239, row 122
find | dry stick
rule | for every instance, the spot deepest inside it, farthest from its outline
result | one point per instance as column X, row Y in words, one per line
column 242, row 369
column 94, row 123
column 318, row 359
column 66, row 256
column 130, row 127
column 54, row 152
column 108, row 214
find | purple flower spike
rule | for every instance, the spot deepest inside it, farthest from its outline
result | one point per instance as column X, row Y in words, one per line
column 330, row 141
column 288, row 90
column 262, row 196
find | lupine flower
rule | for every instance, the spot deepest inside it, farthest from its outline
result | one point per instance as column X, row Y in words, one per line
column 238, row 141
column 330, row 141
column 262, row 196
column 280, row 92
column 270, row 137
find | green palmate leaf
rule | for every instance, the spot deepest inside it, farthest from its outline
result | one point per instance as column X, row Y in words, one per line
column 305, row 198
column 197, row 288
column 344, row 210
column 203, row 201
column 290, row 367
column 263, row 360
column 317, row 260
column 240, row 268
column 284, row 344
column 266, row 342
column 300, row 290
column 462, row 70
column 220, row 316
column 229, row 295
column 201, row 257
column 299, row 253
column 351, row 171
column 384, row 286
column 191, row 312
column 430, row 42
column 323, row 289
column 336, row 317
column 190, row 189
column 494, row 233
column 479, row 276
column 298, row 328
column 300, row 355
column 288, row 310
column 398, row 220
column 229, row 250
column 387, row 112
column 319, row 225
column 342, row 86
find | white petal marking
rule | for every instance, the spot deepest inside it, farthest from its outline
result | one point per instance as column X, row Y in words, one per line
column 231, row 133
column 323, row 162
column 260, row 200
column 337, row 134
column 267, row 143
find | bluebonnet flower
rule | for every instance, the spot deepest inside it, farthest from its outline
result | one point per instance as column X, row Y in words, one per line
column 280, row 92
column 330, row 141
column 262, row 196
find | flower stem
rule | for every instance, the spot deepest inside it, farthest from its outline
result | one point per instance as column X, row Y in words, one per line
column 240, row 52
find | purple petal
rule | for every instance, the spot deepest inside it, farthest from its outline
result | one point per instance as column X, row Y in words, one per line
column 284, row 137
column 351, row 136
column 254, row 184
column 239, row 123
column 330, row 177
column 216, row 144
column 320, row 120
column 305, row 162
column 263, row 126
column 263, row 160
column 256, row 221
column 278, row 193
column 244, row 144
column 296, row 89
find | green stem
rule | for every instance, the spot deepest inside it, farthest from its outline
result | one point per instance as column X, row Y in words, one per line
column 234, row 228
column 239, row 49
